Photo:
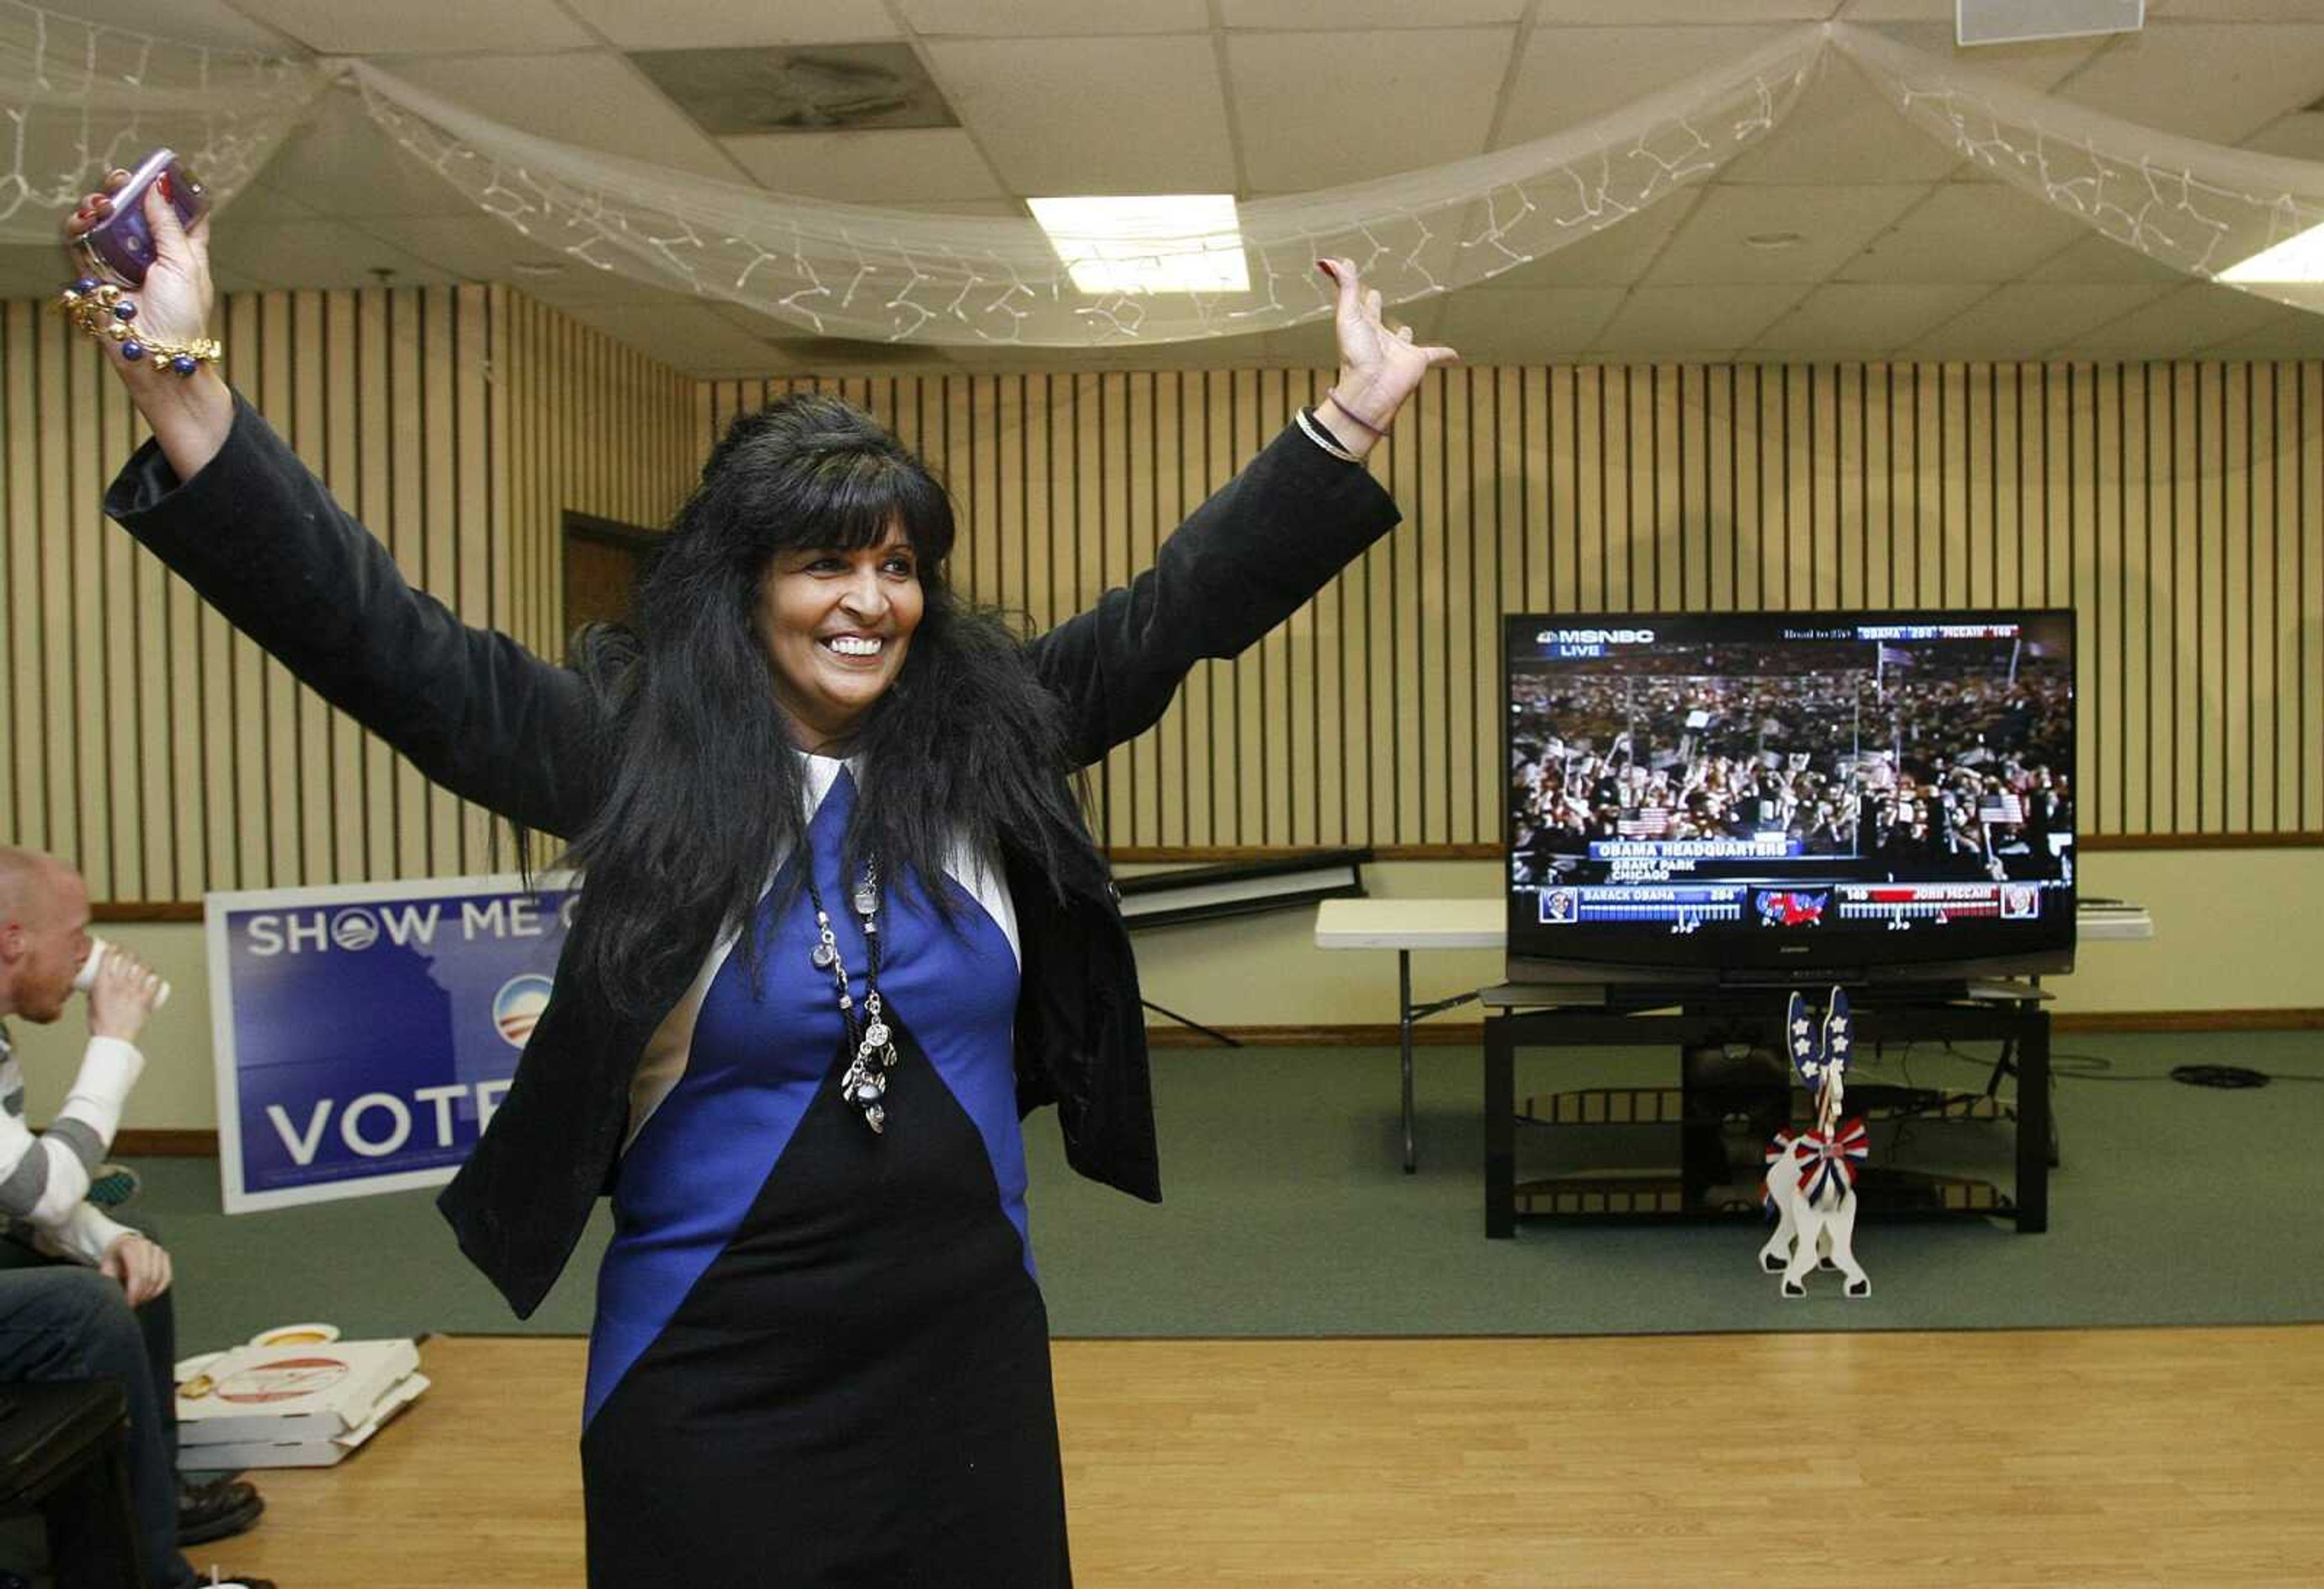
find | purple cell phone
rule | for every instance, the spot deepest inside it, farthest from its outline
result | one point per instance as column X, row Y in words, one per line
column 118, row 248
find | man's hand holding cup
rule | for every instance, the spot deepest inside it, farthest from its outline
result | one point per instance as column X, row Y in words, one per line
column 123, row 991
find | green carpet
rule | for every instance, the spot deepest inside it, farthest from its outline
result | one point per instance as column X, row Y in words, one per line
column 1287, row 1214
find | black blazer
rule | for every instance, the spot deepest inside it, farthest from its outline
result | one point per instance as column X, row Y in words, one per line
column 261, row 539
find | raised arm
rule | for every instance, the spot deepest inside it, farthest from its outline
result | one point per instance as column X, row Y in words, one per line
column 220, row 498
column 1253, row 554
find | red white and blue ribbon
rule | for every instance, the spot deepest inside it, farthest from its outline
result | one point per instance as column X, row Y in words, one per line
column 1830, row 1162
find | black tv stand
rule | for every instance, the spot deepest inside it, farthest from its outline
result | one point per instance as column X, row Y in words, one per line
column 1577, row 1015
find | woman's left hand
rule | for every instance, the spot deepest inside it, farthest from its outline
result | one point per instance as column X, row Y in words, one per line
column 1379, row 363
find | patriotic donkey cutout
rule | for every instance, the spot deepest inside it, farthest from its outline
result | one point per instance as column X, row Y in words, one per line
column 1811, row 1181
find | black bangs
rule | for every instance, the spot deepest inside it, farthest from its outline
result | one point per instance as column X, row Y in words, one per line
column 808, row 470
column 851, row 498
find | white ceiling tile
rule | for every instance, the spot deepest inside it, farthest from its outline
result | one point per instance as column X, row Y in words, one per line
column 2216, row 81
column 2287, row 333
column 317, row 253
column 1034, row 19
column 2299, row 136
column 2232, row 10
column 1332, row 15
column 1685, row 13
column 341, row 163
column 1569, row 76
column 2042, row 64
column 1893, row 11
column 1418, row 91
column 2180, row 323
column 1656, row 322
column 691, row 337
column 1092, row 115
column 1835, row 224
column 1842, row 130
column 258, row 204
column 2020, row 320
column 704, row 24
column 213, row 23
column 1860, row 320
column 593, row 98
column 1527, row 326
column 899, row 165
column 335, row 27
column 2097, row 257
column 477, row 247
column 1965, row 233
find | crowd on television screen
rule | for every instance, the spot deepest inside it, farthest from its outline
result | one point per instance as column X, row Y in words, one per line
column 1943, row 763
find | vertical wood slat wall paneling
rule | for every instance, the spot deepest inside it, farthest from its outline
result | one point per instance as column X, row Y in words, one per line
column 312, row 786
column 2310, row 487
column 61, row 633
column 2299, row 612
column 165, row 755
column 279, row 808
column 467, row 494
column 90, row 788
column 442, row 559
column 2084, row 429
column 1455, row 605
column 2232, row 750
column 2178, row 507
column 2184, row 594
column 17, row 439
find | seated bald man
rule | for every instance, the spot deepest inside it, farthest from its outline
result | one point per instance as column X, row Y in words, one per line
column 82, row 1296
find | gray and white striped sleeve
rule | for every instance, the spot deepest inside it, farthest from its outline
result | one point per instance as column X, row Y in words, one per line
column 44, row 1176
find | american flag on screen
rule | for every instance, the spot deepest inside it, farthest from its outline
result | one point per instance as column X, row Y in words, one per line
column 2001, row 808
column 1652, row 823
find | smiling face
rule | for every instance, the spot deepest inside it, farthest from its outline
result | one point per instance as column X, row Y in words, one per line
column 836, row 625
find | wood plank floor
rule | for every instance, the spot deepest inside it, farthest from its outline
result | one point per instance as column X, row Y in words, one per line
column 2140, row 1458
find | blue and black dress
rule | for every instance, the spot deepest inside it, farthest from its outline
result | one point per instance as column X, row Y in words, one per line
column 820, row 1353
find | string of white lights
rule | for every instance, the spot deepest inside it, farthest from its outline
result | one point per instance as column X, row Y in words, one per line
column 81, row 98
column 2241, row 218
column 907, row 276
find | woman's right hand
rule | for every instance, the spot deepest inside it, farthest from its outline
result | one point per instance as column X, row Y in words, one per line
column 190, row 415
column 174, row 303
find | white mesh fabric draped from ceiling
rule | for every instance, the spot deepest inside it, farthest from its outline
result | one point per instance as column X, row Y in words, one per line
column 82, row 99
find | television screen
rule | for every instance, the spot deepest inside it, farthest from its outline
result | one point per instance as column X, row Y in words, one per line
column 1776, row 796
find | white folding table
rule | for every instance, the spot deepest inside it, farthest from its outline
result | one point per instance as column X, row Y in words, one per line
column 1405, row 926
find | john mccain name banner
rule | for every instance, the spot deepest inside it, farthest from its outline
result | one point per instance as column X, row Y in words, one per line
column 366, row 1034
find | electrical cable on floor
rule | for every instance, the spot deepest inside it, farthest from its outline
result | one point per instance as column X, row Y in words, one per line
column 2233, row 1078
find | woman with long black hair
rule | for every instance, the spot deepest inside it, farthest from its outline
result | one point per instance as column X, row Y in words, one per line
column 843, row 927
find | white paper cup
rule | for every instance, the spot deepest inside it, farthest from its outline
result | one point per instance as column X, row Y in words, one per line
column 86, row 978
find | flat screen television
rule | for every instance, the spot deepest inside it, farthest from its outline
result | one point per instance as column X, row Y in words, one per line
column 1738, row 799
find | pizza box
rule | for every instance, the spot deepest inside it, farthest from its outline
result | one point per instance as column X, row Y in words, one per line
column 232, row 1455
column 299, row 1393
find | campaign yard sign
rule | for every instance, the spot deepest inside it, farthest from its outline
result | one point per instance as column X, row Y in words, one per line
column 365, row 1033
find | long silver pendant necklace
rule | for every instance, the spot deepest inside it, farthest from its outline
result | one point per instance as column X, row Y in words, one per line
column 865, row 1083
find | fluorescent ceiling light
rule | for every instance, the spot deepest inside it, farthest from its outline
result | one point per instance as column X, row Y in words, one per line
column 1163, row 243
column 2295, row 259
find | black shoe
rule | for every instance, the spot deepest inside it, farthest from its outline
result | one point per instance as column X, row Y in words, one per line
column 217, row 1510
